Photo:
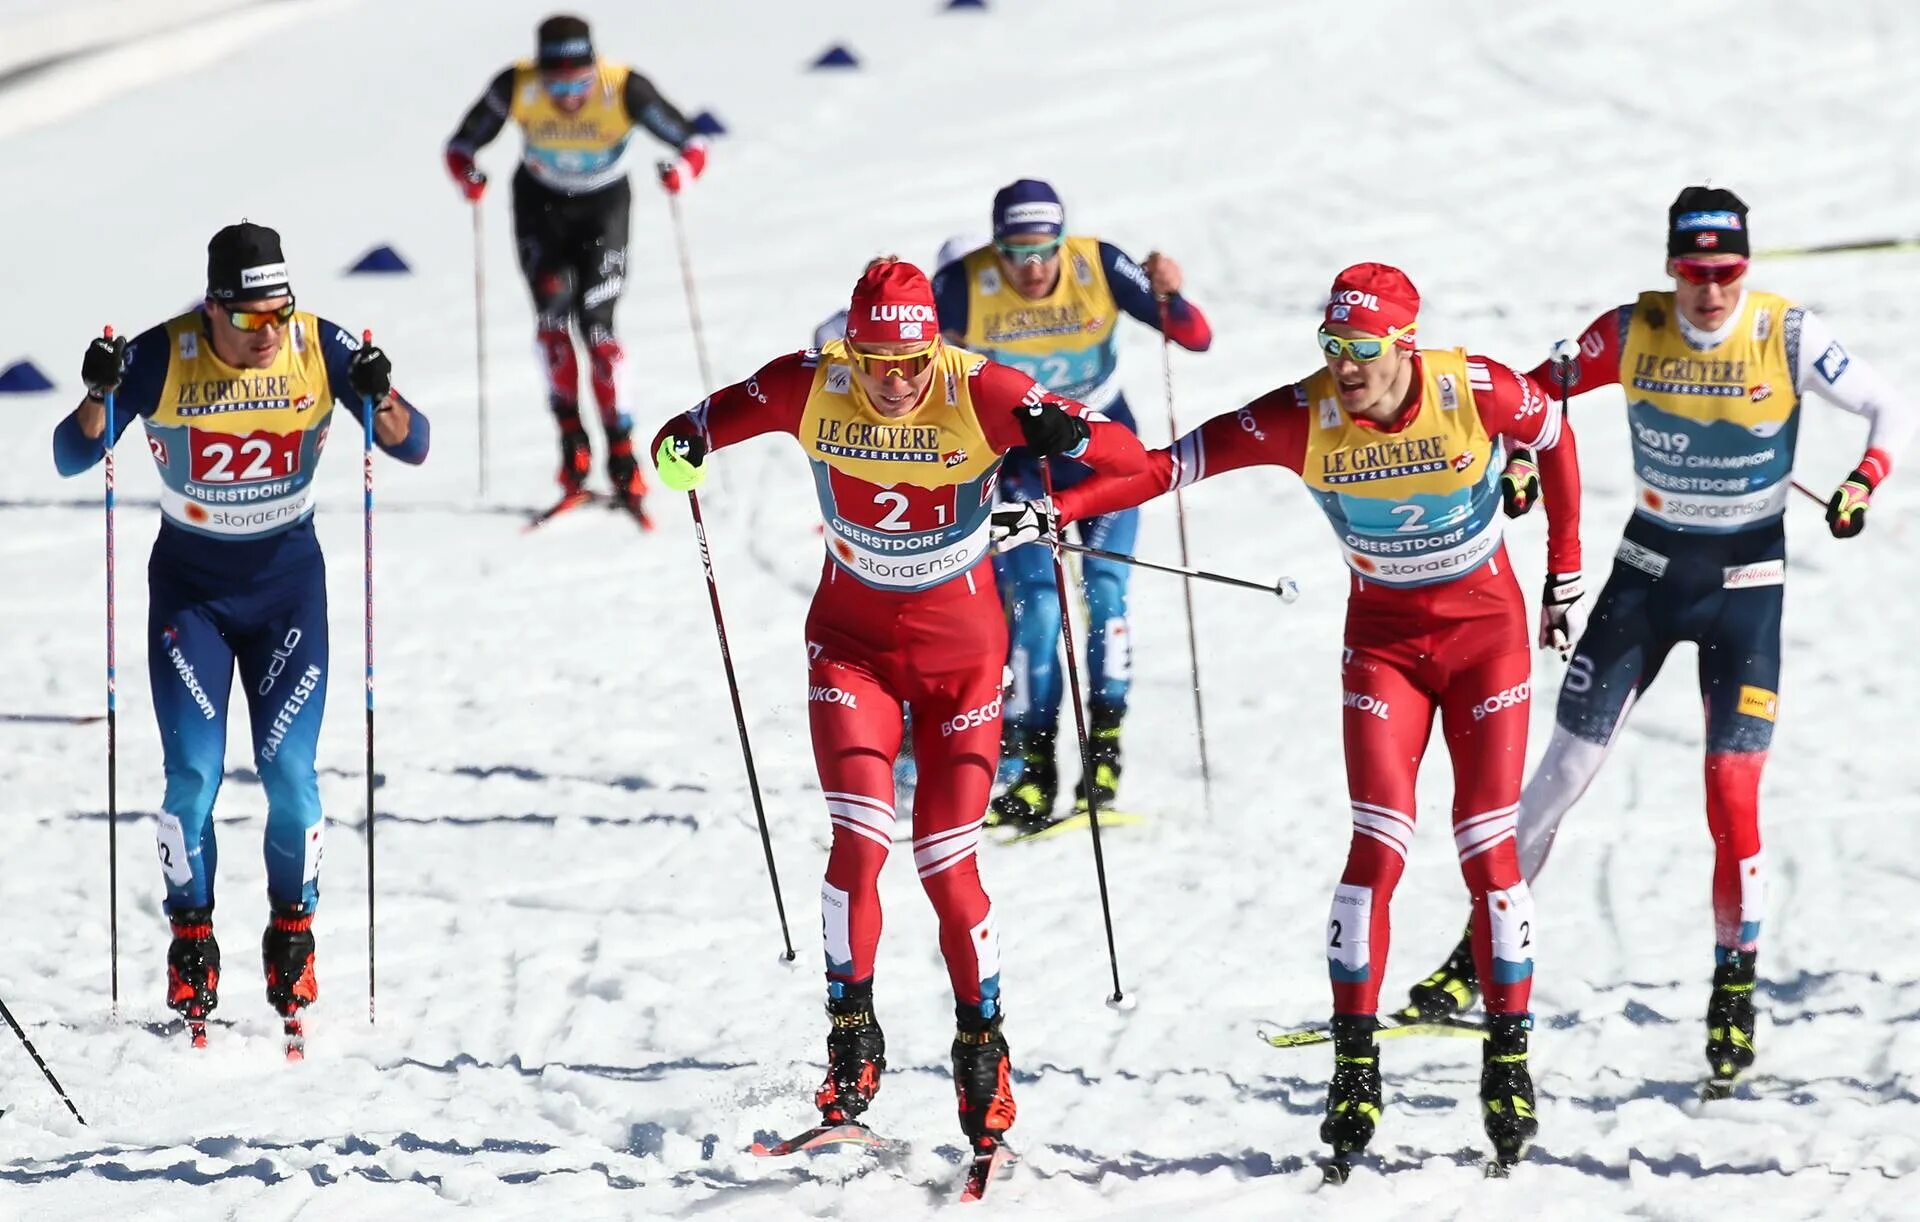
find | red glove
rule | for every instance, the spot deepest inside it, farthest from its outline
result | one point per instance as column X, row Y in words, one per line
column 674, row 175
column 466, row 175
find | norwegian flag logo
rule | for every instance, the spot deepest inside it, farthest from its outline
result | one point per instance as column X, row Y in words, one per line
column 1706, row 240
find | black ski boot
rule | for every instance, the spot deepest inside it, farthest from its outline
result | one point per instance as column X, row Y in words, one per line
column 576, row 455
column 1104, row 747
column 193, row 970
column 1353, row 1096
column 1449, row 991
column 1730, row 1021
column 286, row 953
column 856, row 1056
column 1028, row 799
column 982, row 1079
column 1506, row 1090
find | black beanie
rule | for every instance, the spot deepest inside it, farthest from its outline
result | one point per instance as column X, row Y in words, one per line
column 1707, row 221
column 564, row 43
column 244, row 263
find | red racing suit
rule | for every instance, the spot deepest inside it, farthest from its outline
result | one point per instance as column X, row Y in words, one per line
column 906, row 617
column 1435, row 623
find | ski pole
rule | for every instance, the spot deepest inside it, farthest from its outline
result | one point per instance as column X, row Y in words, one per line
column 480, row 338
column 1119, row 998
column 35, row 1054
column 1286, row 589
column 686, row 279
column 367, row 411
column 1810, row 494
column 740, row 718
column 1186, row 586
column 113, row 738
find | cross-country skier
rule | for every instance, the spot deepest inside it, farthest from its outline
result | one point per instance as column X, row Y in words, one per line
column 1714, row 375
column 1049, row 304
column 1402, row 448
column 905, row 435
column 237, row 398
column 578, row 113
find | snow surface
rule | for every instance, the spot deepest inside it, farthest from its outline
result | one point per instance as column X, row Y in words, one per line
column 582, row 1011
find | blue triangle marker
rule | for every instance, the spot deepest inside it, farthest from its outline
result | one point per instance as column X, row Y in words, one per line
column 954, row 4
column 23, row 378
column 836, row 57
column 381, row 260
column 708, row 124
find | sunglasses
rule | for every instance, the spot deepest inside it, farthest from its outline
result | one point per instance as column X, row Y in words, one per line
column 1699, row 271
column 1030, row 254
column 563, row 87
column 1364, row 349
column 259, row 320
column 885, row 365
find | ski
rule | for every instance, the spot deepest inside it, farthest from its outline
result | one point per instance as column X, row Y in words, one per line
column 823, row 1136
column 571, row 501
column 296, row 1034
column 1336, row 1169
column 1717, row 1089
column 1501, row 1165
column 1393, row 1028
column 1076, row 822
column 636, row 510
column 985, row 1167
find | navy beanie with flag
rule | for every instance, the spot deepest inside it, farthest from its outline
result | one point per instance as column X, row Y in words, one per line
column 1707, row 221
column 1028, row 206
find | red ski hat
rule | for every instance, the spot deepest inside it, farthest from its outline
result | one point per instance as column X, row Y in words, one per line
column 1375, row 298
column 892, row 304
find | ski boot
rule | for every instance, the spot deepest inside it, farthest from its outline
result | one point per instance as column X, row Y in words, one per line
column 286, row 953
column 629, row 487
column 982, row 1079
column 1028, row 800
column 193, row 970
column 1104, row 747
column 1353, row 1096
column 856, row 1056
column 1730, row 1021
column 1446, row 993
column 1506, row 1090
column 576, row 457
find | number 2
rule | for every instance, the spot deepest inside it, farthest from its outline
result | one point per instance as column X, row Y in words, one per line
column 1414, row 514
column 895, row 518
column 1335, row 940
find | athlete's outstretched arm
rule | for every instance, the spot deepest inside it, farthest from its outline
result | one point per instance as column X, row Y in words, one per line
column 1270, row 431
column 1002, row 395
column 771, row 401
column 79, row 439
column 1133, row 291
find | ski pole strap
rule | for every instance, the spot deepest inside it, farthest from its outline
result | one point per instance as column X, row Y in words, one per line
column 1286, row 589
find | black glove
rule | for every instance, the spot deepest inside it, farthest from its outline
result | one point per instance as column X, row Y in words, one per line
column 104, row 365
column 1049, row 430
column 371, row 374
column 1847, row 511
column 1519, row 484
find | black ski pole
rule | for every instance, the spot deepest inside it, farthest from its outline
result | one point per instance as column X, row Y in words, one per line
column 113, row 740
column 740, row 718
column 1186, row 587
column 35, row 1054
column 367, row 406
column 1086, row 746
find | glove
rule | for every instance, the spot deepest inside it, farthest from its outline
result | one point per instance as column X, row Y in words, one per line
column 370, row 374
column 466, row 175
column 1049, row 430
column 1560, row 621
column 1520, row 484
column 104, row 365
column 1026, row 522
column 1846, row 512
column 681, row 462
column 675, row 175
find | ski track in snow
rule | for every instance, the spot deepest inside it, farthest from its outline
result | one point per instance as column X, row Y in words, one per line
column 583, row 1008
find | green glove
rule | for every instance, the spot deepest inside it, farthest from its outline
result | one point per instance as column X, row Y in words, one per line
column 681, row 462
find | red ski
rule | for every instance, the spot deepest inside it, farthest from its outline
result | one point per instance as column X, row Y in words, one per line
column 566, row 504
column 823, row 1136
column 987, row 1166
